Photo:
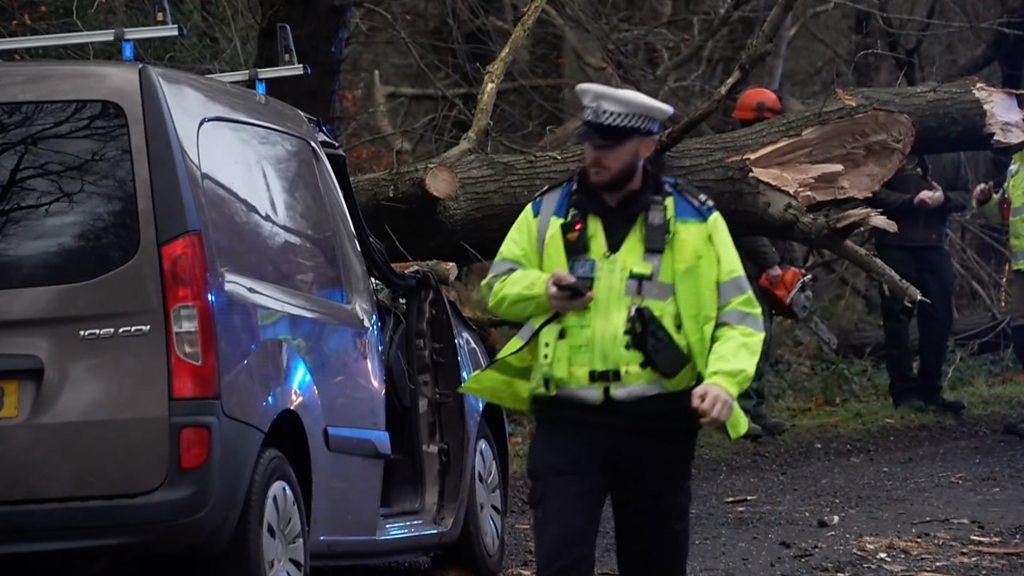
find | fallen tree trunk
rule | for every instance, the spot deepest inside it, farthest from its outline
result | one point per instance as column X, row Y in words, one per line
column 795, row 177
column 778, row 178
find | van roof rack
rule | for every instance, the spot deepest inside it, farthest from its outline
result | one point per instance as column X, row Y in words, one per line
column 287, row 58
column 287, row 64
column 163, row 27
column 127, row 37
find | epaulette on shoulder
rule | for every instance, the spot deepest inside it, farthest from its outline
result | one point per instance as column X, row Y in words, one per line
column 554, row 192
column 691, row 204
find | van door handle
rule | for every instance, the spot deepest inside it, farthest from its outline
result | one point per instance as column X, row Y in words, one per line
column 363, row 345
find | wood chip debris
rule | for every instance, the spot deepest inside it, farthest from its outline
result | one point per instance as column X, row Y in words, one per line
column 997, row 551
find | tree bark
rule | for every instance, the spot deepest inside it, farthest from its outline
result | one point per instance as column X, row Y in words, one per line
column 491, row 190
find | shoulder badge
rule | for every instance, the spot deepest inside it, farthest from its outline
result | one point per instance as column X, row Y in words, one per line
column 557, row 193
column 691, row 204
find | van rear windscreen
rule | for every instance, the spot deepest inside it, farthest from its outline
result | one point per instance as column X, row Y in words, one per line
column 68, row 211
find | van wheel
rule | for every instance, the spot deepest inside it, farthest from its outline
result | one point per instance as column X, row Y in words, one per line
column 272, row 533
column 482, row 543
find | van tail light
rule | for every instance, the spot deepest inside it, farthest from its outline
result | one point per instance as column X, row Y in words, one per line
column 191, row 338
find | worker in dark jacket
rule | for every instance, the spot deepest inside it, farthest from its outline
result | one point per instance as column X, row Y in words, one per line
column 918, row 253
column 760, row 257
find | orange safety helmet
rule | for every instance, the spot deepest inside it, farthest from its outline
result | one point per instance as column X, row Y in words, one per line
column 757, row 104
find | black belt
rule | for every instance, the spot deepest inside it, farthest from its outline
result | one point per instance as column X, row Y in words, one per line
column 605, row 375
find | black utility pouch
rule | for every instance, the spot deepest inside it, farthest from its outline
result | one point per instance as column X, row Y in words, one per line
column 648, row 336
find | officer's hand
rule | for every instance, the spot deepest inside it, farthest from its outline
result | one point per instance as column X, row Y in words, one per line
column 562, row 301
column 712, row 403
column 774, row 274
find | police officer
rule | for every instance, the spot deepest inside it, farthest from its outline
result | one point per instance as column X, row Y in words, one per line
column 639, row 327
column 1013, row 191
column 918, row 253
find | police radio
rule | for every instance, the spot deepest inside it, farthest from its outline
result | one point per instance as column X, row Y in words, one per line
column 649, row 336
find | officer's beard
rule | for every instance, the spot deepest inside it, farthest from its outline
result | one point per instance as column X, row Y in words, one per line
column 615, row 183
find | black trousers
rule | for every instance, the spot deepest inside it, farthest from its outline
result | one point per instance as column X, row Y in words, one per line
column 641, row 454
column 931, row 270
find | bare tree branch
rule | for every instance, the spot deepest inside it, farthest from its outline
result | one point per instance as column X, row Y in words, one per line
column 757, row 50
column 415, row 55
column 492, row 79
column 412, row 92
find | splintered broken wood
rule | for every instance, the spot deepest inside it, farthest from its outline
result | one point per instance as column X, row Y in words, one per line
column 862, row 216
column 1002, row 115
column 445, row 272
column 846, row 159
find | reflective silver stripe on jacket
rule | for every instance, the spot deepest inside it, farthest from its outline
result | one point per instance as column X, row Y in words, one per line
column 1017, row 212
column 595, row 394
column 652, row 290
column 500, row 269
column 636, row 391
column 589, row 395
column 526, row 332
column 732, row 289
column 740, row 318
column 548, row 204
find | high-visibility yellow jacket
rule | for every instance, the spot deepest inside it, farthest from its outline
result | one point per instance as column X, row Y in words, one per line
column 700, row 294
column 1015, row 188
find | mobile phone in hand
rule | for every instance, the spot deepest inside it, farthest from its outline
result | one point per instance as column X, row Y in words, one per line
column 577, row 289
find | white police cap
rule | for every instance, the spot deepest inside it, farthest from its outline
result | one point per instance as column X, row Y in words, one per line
column 627, row 112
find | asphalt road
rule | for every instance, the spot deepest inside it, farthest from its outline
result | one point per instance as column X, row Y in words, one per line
column 942, row 498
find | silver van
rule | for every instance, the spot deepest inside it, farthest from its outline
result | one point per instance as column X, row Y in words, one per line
column 202, row 349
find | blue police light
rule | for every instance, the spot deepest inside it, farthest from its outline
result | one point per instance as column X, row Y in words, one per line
column 128, row 50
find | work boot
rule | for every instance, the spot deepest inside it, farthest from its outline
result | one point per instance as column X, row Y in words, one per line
column 1015, row 427
column 909, row 404
column 754, row 432
column 943, row 404
column 770, row 426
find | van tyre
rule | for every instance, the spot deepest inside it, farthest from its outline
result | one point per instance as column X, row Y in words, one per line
column 272, row 536
column 482, row 542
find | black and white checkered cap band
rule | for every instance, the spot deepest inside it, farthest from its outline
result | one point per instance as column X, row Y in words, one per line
column 638, row 122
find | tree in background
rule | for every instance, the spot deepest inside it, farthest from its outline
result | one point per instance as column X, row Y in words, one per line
column 446, row 159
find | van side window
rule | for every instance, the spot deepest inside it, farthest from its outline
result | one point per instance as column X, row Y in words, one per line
column 265, row 214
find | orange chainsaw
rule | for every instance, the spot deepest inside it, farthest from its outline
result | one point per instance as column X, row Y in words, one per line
column 790, row 296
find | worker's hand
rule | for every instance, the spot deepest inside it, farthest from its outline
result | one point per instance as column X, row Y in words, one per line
column 563, row 301
column 774, row 274
column 982, row 193
column 932, row 198
column 938, row 196
column 712, row 403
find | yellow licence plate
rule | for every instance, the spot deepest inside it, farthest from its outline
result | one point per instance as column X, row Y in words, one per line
column 8, row 399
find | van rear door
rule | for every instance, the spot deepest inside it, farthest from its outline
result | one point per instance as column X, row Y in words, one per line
column 83, row 361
